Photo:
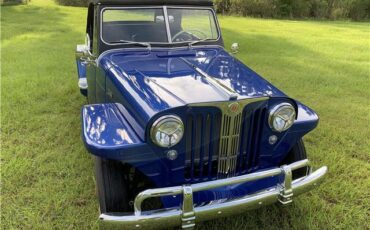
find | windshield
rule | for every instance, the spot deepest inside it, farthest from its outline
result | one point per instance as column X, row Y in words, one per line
column 150, row 25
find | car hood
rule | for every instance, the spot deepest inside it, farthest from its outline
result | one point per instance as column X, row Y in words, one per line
column 151, row 81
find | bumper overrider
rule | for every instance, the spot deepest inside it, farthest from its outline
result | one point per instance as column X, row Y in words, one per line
column 187, row 215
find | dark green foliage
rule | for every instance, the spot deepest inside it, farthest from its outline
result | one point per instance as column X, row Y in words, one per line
column 330, row 9
column 72, row 2
column 13, row 2
column 360, row 10
column 257, row 8
column 223, row 6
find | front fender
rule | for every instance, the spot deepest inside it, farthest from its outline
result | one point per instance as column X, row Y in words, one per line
column 306, row 121
column 106, row 133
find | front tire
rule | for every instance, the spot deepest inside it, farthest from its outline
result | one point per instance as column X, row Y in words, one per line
column 83, row 92
column 112, row 186
column 297, row 153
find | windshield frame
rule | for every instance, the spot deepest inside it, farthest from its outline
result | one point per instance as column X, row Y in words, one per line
column 167, row 24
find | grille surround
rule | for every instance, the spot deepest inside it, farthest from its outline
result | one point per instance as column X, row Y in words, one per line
column 222, row 142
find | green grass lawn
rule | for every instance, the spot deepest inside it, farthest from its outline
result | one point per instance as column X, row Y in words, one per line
column 47, row 177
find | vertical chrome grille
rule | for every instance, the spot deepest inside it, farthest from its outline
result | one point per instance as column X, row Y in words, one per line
column 229, row 144
column 222, row 143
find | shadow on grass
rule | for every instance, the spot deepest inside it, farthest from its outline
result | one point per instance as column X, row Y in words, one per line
column 289, row 56
column 257, row 43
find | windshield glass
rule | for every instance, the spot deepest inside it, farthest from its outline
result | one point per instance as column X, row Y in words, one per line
column 149, row 25
column 192, row 25
column 136, row 25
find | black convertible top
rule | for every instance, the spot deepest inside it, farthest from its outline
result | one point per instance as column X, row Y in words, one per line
column 153, row 2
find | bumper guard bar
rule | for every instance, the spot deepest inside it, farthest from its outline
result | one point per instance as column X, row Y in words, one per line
column 187, row 215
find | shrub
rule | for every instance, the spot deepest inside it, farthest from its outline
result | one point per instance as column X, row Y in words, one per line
column 256, row 8
column 12, row 2
column 300, row 9
column 72, row 2
column 360, row 10
column 317, row 8
column 222, row 6
column 332, row 9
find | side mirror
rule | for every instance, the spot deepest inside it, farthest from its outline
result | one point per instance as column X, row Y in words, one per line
column 159, row 18
column 171, row 18
column 84, row 50
column 235, row 48
column 88, row 43
column 81, row 51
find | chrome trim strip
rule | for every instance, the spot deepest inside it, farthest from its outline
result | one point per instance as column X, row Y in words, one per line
column 229, row 142
column 299, row 164
column 175, row 217
column 229, row 93
column 165, row 15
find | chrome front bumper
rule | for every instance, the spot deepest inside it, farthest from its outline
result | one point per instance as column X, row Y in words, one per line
column 188, row 215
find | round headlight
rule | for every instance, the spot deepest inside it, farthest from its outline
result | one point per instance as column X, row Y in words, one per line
column 281, row 117
column 167, row 131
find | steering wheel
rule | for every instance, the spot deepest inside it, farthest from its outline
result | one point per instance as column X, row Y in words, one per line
column 189, row 34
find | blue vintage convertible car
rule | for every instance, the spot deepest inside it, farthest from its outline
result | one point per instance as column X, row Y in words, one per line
column 180, row 130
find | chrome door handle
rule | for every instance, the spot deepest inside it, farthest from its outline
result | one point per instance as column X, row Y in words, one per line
column 109, row 94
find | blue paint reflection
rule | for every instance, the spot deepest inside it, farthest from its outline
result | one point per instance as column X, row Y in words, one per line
column 104, row 125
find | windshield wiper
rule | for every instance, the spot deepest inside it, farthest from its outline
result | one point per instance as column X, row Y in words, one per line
column 148, row 45
column 124, row 42
column 190, row 44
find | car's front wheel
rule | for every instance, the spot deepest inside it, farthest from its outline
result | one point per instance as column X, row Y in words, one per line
column 297, row 153
column 112, row 186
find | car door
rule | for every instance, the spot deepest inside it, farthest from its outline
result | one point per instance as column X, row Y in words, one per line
column 96, row 74
column 91, row 79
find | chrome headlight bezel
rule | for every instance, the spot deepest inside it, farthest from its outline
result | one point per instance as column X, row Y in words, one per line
column 276, row 111
column 162, row 121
